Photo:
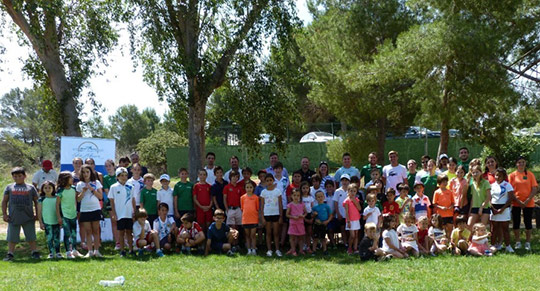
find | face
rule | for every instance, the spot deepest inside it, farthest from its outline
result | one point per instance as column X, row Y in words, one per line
column 390, row 196
column 305, row 189
column 521, row 164
column 464, row 154
column 124, row 164
column 261, row 177
column 278, row 171
column 91, row 163
column 109, row 167
column 320, row 197
column 77, row 164
column 460, row 173
column 329, row 188
column 234, row 179
column 187, row 224
column 371, row 202
column 476, row 173
column 246, row 175
column 219, row 218
column 249, row 188
column 371, row 232
column 444, row 163
column 452, row 166
column 403, row 192
column 393, row 159
column 481, row 230
column 316, row 183
column 419, row 189
column 499, row 177
column 273, row 160
column 425, row 163
column 443, row 183
column 86, row 174
column 346, row 161
column 269, row 182
column 183, row 175
column 295, row 196
column 210, row 160
column 433, row 221
column 47, row 189
column 491, row 164
column 345, row 183
column 462, row 225
column 423, row 224
column 323, row 169
column 122, row 178
column 136, row 171
column 219, row 174
column 304, row 163
column 70, row 181
column 409, row 221
column 134, row 159
column 141, row 220
column 19, row 178
column 234, row 163
column 296, row 178
column 372, row 159
column 165, row 183
column 431, row 166
column 393, row 223
column 147, row 182
column 375, row 175
column 162, row 212
column 411, row 166
column 202, row 176
column 352, row 192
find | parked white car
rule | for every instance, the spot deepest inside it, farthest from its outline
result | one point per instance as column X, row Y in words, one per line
column 318, row 136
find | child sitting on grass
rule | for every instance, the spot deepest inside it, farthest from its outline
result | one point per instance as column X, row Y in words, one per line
column 391, row 244
column 143, row 235
column 165, row 227
column 220, row 236
column 480, row 243
column 459, row 239
column 369, row 245
column 437, row 235
column 190, row 234
column 408, row 232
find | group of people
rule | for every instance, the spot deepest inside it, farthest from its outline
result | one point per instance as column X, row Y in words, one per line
column 375, row 212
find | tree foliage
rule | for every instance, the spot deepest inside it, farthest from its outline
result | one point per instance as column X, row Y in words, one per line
column 153, row 149
column 129, row 126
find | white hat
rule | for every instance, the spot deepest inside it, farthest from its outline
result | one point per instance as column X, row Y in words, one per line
column 345, row 176
column 443, row 156
column 165, row 177
column 121, row 170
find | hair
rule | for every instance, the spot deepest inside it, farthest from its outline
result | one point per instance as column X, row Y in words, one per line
column 452, row 160
column 63, row 179
column 502, row 171
column 249, row 182
column 124, row 160
column 234, row 157
column 141, row 213
column 485, row 163
column 219, row 212
column 247, row 169
column 387, row 219
column 372, row 188
column 273, row 154
column 317, row 193
column 268, row 175
column 352, row 185
column 393, row 152
column 261, row 172
column 136, row 165
column 404, row 186
column 409, row 216
column 110, row 162
column 373, row 153
column 304, row 183
column 370, row 226
column 419, row 185
column 296, row 190
column 441, row 178
column 278, row 165
column 234, row 173
column 319, row 168
column 329, row 182
column 425, row 157
column 210, row 154
column 217, row 168
column 461, row 167
column 461, row 219
column 18, row 170
column 371, row 197
column 391, row 190
column 202, row 170
column 375, row 170
column 438, row 220
column 463, row 148
column 479, row 169
column 355, row 179
column 316, row 177
column 423, row 218
column 149, row 176
column 477, row 226
column 412, row 160
column 93, row 175
column 346, row 155
column 50, row 183
column 182, row 170
column 188, row 217
column 163, row 205
column 88, row 160
column 134, row 154
column 297, row 173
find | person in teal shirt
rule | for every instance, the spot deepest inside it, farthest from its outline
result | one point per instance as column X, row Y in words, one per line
column 48, row 220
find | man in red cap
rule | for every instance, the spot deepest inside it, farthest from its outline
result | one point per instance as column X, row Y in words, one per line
column 47, row 173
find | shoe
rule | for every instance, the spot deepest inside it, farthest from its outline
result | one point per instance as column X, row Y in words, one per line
column 69, row 255
column 59, row 256
column 123, row 254
column 8, row 258
column 357, row 252
column 35, row 255
column 302, row 253
column 76, row 254
column 432, row 254
column 498, row 247
column 269, row 253
column 294, row 254
column 290, row 252
column 325, row 253
column 84, row 247
column 527, row 246
column 230, row 253
column 509, row 249
column 253, row 252
column 349, row 252
column 117, row 247
column 89, row 254
column 518, row 245
column 140, row 252
column 50, row 256
column 97, row 254
column 279, row 254
column 160, row 253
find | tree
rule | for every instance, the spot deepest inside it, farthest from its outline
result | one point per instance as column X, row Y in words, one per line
column 153, row 149
column 187, row 47
column 95, row 127
column 66, row 38
column 129, row 126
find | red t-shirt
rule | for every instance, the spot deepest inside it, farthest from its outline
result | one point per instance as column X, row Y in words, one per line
column 233, row 192
column 422, row 233
column 391, row 208
column 202, row 193
column 195, row 229
column 291, row 187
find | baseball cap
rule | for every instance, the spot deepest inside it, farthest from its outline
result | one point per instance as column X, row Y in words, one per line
column 165, row 177
column 345, row 176
column 47, row 165
column 121, row 170
column 443, row 156
column 418, row 183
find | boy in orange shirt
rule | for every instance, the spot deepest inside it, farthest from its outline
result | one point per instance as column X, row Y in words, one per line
column 249, row 203
column 443, row 202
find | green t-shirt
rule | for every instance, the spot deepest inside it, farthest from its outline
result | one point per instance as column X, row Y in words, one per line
column 411, row 179
column 366, row 172
column 149, row 199
column 108, row 181
column 48, row 210
column 184, row 191
column 430, row 185
column 68, row 202
column 464, row 164
column 479, row 193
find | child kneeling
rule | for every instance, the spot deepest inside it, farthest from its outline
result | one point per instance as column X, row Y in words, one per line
column 143, row 235
column 220, row 236
column 190, row 234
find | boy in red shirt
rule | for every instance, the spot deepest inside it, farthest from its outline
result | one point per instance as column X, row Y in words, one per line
column 231, row 198
column 443, row 202
column 246, row 176
column 390, row 206
column 203, row 200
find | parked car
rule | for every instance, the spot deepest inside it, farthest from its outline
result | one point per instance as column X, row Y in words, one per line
column 420, row 132
column 318, row 136
column 454, row 132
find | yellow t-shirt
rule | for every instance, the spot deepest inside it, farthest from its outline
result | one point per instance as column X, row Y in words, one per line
column 455, row 237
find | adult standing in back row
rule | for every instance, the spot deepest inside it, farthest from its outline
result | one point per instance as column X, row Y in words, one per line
column 47, row 173
column 305, row 171
column 234, row 162
column 346, row 168
column 394, row 173
column 274, row 159
column 372, row 164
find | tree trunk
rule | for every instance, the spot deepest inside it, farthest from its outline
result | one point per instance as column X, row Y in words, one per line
column 196, row 136
column 445, row 123
column 381, row 139
column 64, row 97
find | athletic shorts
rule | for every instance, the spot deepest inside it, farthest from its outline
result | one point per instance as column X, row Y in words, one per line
column 319, row 231
column 234, row 216
column 216, row 247
column 14, row 232
column 475, row 210
column 447, row 220
column 204, row 217
column 164, row 240
column 249, row 226
column 91, row 216
column 271, row 218
column 124, row 224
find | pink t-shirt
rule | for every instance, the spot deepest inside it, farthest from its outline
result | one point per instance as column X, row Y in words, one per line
column 354, row 213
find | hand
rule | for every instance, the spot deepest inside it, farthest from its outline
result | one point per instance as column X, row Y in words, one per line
column 315, row 213
column 348, row 224
column 84, row 189
column 177, row 215
column 234, row 233
column 42, row 226
column 5, row 217
column 326, row 222
column 367, row 215
column 113, row 217
column 60, row 221
column 263, row 221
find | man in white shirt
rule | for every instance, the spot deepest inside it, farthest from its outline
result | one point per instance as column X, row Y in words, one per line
column 394, row 173
column 234, row 162
column 47, row 173
column 210, row 160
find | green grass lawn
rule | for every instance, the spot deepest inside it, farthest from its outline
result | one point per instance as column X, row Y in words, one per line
column 337, row 271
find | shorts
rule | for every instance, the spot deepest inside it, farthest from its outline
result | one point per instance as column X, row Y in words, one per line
column 124, row 224
column 234, row 216
column 332, row 225
column 355, row 225
column 463, row 210
column 411, row 244
column 164, row 240
column 14, row 232
column 475, row 210
column 217, row 247
column 504, row 216
column 308, row 216
column 204, row 217
column 271, row 218
column 447, row 220
column 527, row 217
column 147, row 238
column 340, row 223
column 319, row 231
column 250, row 226
column 91, row 216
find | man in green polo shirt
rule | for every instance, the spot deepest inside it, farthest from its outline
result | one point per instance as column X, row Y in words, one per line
column 464, row 158
column 366, row 170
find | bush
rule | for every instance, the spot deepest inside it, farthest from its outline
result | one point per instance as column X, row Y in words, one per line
column 153, row 149
column 514, row 147
column 358, row 144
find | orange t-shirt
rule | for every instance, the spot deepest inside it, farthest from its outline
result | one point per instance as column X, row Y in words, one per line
column 523, row 185
column 250, row 209
column 444, row 197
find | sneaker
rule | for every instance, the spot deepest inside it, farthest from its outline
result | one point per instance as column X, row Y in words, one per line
column 89, row 254
column 357, row 252
column 117, row 247
column 59, row 256
column 432, row 254
column 302, row 253
column 123, row 254
column 269, row 253
column 349, row 252
column 325, row 253
column 499, row 247
column 69, row 255
column 518, row 245
column 160, row 253
column 76, row 254
column 253, row 252
column 527, row 246
column 35, row 255
column 97, row 254
column 9, row 257
column 509, row 249
column 50, row 256
column 279, row 254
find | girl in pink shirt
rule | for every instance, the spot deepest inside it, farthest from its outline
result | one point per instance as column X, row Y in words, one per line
column 296, row 211
column 352, row 217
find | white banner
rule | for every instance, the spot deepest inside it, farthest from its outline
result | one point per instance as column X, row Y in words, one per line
column 98, row 149
column 106, row 231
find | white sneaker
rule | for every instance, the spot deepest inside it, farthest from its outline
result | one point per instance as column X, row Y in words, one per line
column 59, row 256
column 527, row 246
column 97, row 254
column 509, row 249
column 76, row 254
column 518, row 245
column 69, row 255
column 50, row 256
column 269, row 253
column 253, row 252
column 89, row 254
column 279, row 254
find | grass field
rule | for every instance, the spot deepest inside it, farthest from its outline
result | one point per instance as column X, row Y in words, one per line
column 337, row 271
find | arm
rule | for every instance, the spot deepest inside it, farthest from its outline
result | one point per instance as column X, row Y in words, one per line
column 225, row 201
column 289, row 213
column 176, row 213
column 280, row 202
column 208, row 245
column 336, row 208
column 214, row 200
column 5, row 201
column 133, row 204
column 347, row 214
column 113, row 209
column 41, row 224
column 488, row 198
column 58, row 215
column 379, row 221
column 262, row 208
column 36, row 204
column 534, row 190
